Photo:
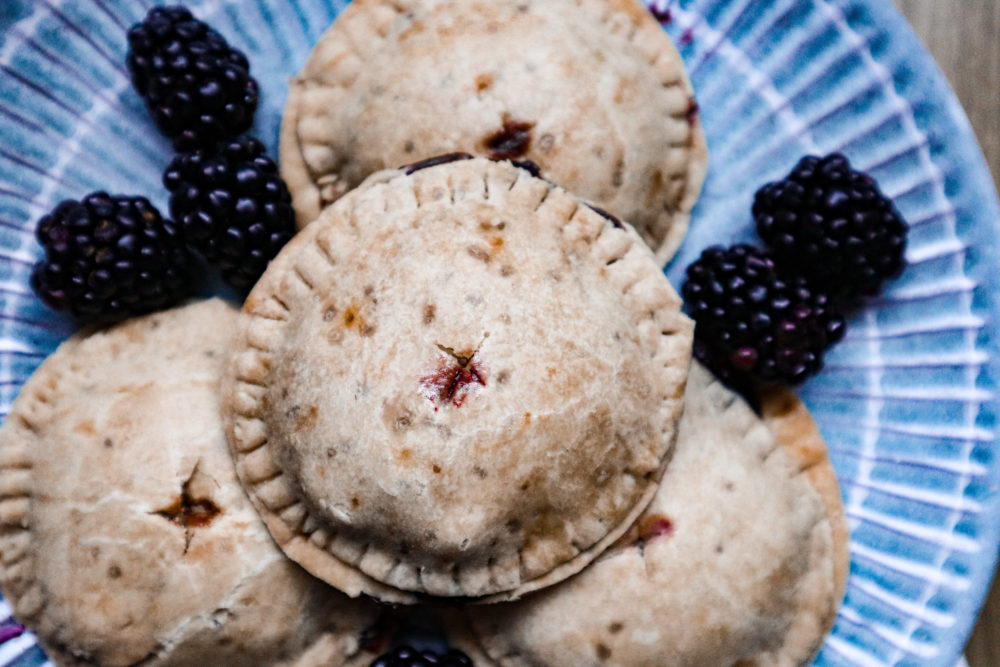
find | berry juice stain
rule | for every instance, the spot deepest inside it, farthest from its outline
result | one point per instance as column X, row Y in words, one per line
column 190, row 513
column 652, row 527
column 692, row 111
column 454, row 381
column 434, row 162
column 607, row 216
column 511, row 141
column 646, row 530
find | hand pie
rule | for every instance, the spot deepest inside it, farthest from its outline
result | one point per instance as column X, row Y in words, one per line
column 459, row 381
column 593, row 91
column 741, row 559
column 125, row 536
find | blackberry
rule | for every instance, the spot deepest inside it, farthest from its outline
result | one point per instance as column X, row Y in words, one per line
column 750, row 321
column 833, row 225
column 110, row 257
column 197, row 87
column 232, row 207
column 407, row 656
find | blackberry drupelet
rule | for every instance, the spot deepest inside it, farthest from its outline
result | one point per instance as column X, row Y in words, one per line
column 750, row 321
column 406, row 656
column 197, row 87
column 232, row 207
column 833, row 225
column 107, row 258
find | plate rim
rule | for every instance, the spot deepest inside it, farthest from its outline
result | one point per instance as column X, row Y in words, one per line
column 945, row 119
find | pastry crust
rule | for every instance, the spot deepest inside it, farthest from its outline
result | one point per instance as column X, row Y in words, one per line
column 124, row 534
column 748, row 569
column 460, row 382
column 593, row 91
column 789, row 419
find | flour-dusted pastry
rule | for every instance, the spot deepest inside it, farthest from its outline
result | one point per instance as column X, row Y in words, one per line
column 741, row 559
column 459, row 381
column 593, row 91
column 125, row 536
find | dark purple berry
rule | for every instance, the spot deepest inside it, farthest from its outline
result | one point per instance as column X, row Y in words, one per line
column 197, row 87
column 407, row 656
column 107, row 258
column 232, row 207
column 832, row 225
column 751, row 321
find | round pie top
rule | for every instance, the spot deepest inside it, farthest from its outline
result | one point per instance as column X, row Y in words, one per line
column 593, row 91
column 460, row 381
column 126, row 538
column 741, row 559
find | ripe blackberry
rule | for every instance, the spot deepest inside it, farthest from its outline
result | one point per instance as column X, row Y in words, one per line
column 406, row 656
column 197, row 87
column 110, row 257
column 751, row 321
column 232, row 207
column 833, row 225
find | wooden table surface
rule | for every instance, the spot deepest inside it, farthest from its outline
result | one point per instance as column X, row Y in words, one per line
column 964, row 36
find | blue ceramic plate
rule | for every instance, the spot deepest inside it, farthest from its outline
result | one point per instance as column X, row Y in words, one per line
column 907, row 402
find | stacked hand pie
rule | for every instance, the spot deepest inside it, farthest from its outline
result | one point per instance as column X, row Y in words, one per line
column 460, row 382
column 740, row 559
column 459, row 385
column 126, row 538
column 592, row 91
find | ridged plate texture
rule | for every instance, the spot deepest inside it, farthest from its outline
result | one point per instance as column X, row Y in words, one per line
column 907, row 402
